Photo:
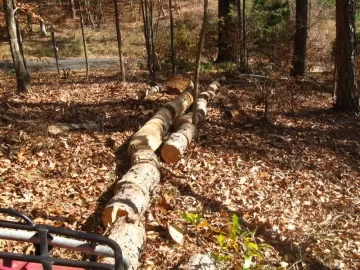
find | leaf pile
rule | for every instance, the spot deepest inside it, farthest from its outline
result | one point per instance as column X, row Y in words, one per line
column 293, row 179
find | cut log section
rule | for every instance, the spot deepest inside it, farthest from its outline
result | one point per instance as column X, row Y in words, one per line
column 176, row 85
column 151, row 134
column 132, row 192
column 178, row 141
column 131, row 239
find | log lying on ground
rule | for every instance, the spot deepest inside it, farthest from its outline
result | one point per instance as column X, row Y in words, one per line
column 131, row 238
column 153, row 131
column 132, row 192
column 178, row 141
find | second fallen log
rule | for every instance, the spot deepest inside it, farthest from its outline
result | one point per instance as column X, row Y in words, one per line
column 152, row 133
column 178, row 141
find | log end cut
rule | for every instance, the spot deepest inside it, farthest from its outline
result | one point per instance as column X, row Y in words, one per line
column 170, row 154
column 111, row 214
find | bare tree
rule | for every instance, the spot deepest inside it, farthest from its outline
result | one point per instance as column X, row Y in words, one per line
column 84, row 41
column 147, row 12
column 346, row 94
column 118, row 35
column 22, row 74
column 172, row 37
column 300, row 38
column 198, row 58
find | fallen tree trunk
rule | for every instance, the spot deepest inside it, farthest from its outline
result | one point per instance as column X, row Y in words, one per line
column 151, row 134
column 178, row 141
column 131, row 239
column 132, row 192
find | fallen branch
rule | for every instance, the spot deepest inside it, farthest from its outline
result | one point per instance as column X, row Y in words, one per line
column 178, row 141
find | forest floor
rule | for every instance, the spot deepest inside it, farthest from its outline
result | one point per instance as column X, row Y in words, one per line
column 292, row 179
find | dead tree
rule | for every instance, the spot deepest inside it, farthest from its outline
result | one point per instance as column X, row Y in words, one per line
column 22, row 74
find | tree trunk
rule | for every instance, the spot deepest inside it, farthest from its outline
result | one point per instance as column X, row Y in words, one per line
column 29, row 22
column 42, row 23
column 72, row 9
column 147, row 34
column 244, row 35
column 132, row 192
column 172, row 38
column 225, row 31
column 22, row 74
column 346, row 91
column 55, row 48
column 300, row 38
column 242, row 67
column 119, row 40
column 99, row 13
column 84, row 42
column 198, row 58
column 178, row 141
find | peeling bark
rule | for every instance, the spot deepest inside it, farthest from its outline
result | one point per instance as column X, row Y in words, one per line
column 132, row 192
column 131, row 239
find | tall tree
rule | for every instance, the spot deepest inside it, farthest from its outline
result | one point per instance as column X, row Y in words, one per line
column 225, row 31
column 242, row 34
column 198, row 58
column 119, row 40
column 22, row 74
column 346, row 94
column 300, row 38
column 172, row 37
column 84, row 40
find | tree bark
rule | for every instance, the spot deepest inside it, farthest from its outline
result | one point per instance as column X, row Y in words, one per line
column 225, row 31
column 300, row 39
column 131, row 238
column 132, row 192
column 346, row 90
column 119, row 40
column 178, row 141
column 22, row 74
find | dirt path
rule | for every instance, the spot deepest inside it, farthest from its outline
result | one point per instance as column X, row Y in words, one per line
column 47, row 64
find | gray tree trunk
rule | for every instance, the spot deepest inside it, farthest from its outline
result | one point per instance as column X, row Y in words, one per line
column 22, row 74
column 346, row 94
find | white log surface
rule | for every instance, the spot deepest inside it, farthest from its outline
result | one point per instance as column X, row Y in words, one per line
column 178, row 141
column 152, row 133
column 131, row 239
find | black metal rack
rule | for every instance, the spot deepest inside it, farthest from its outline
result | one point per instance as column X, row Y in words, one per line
column 45, row 237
